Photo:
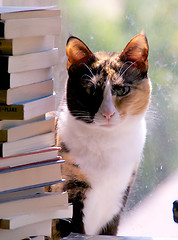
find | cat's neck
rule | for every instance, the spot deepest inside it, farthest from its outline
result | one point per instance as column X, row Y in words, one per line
column 78, row 135
column 104, row 150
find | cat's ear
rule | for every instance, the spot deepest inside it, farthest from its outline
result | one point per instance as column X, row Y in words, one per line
column 77, row 52
column 137, row 51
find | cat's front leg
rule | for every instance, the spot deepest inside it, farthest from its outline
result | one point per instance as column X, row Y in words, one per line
column 111, row 227
column 102, row 207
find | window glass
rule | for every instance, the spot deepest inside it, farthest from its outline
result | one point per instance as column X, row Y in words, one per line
column 108, row 25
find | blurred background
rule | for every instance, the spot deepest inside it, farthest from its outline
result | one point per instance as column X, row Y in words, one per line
column 108, row 25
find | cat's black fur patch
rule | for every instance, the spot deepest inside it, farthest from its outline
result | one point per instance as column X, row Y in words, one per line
column 76, row 190
column 133, row 75
column 64, row 147
column 64, row 227
column 83, row 105
column 111, row 227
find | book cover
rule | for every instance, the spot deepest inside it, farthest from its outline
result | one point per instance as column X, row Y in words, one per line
column 27, row 62
column 31, row 218
column 28, row 110
column 23, row 166
column 35, row 229
column 5, row 124
column 29, row 157
column 26, row 188
column 21, row 194
column 27, row 144
column 19, row 12
column 26, row 93
column 33, row 204
column 19, row 46
column 12, row 80
column 28, row 27
column 33, row 174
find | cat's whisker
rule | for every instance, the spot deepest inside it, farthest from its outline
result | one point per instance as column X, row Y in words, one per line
column 123, row 66
column 79, row 111
column 82, row 114
column 128, row 68
column 88, row 76
column 89, row 70
column 89, row 79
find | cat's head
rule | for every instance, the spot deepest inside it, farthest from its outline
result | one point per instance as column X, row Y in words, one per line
column 106, row 88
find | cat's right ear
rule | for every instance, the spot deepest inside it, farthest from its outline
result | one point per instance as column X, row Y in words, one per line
column 77, row 52
column 136, row 51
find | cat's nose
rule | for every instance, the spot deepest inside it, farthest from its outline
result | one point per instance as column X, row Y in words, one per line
column 108, row 115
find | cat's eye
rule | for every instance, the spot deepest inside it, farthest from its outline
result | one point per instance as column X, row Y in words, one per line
column 88, row 90
column 88, row 85
column 120, row 90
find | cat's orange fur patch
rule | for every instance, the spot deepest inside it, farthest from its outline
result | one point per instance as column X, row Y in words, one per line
column 69, row 170
column 136, row 102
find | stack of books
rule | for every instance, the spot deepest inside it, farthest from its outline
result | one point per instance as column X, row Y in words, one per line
column 29, row 160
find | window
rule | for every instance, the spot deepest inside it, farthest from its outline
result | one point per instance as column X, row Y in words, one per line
column 109, row 25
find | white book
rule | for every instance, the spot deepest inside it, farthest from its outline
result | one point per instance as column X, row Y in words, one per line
column 27, row 144
column 19, row 12
column 28, row 110
column 29, row 157
column 28, row 77
column 38, row 238
column 33, row 204
column 27, row 27
column 34, row 229
column 26, row 93
column 20, row 194
column 31, row 175
column 47, row 214
column 27, row 130
column 27, row 62
column 19, row 46
column 5, row 124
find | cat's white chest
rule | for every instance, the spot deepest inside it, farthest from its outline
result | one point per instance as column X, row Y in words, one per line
column 109, row 174
column 108, row 159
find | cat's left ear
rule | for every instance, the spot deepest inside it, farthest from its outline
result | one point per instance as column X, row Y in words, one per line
column 137, row 51
column 77, row 52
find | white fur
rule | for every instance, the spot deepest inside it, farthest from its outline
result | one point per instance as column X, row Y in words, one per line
column 107, row 108
column 107, row 153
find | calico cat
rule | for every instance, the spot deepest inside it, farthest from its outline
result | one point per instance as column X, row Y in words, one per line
column 102, row 130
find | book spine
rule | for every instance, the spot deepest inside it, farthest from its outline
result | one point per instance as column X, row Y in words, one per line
column 33, row 165
column 32, row 186
column 1, row 149
column 3, row 97
column 11, row 112
column 4, row 224
column 3, row 135
column 2, row 29
column 6, row 46
column 4, row 63
column 5, row 80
